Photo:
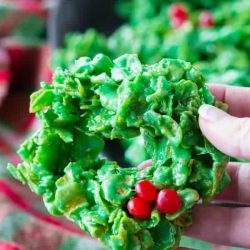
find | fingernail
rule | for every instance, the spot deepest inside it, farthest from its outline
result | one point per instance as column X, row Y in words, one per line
column 211, row 113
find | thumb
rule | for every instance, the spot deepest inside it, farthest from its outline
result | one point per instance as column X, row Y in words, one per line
column 229, row 134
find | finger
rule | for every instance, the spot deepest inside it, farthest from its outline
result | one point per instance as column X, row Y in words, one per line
column 227, row 133
column 145, row 164
column 239, row 189
column 237, row 98
column 219, row 247
column 221, row 225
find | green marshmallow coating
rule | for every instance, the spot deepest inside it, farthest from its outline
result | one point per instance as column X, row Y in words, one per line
column 100, row 99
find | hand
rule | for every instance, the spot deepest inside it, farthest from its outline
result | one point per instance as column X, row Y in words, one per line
column 231, row 135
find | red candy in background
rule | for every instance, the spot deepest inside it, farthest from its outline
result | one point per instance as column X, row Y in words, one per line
column 206, row 19
column 178, row 15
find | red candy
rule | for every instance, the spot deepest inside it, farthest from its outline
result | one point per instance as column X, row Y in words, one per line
column 168, row 201
column 178, row 14
column 146, row 190
column 139, row 208
column 206, row 19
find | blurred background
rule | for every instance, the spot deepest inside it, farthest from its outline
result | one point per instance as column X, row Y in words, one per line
column 37, row 36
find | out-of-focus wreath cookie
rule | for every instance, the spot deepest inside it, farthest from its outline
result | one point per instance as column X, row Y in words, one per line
column 97, row 99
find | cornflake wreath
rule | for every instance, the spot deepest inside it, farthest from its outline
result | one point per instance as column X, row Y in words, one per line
column 103, row 99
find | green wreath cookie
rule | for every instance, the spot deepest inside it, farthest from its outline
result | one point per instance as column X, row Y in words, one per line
column 101, row 99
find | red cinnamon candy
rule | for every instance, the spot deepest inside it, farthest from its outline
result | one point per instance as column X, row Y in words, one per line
column 206, row 19
column 178, row 14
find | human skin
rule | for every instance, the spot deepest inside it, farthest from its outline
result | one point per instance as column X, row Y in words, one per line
column 230, row 133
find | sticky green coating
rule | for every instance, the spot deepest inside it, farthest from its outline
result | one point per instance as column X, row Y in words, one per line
column 121, row 99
